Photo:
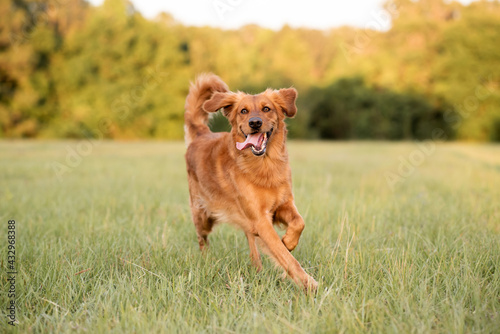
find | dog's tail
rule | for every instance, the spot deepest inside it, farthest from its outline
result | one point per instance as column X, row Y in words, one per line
column 195, row 117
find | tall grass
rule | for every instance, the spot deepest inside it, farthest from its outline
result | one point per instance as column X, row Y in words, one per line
column 111, row 247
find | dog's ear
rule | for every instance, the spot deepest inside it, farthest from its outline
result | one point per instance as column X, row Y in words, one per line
column 220, row 100
column 285, row 98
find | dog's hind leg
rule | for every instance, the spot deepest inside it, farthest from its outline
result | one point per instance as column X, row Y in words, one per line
column 203, row 224
column 288, row 215
column 254, row 252
column 201, row 219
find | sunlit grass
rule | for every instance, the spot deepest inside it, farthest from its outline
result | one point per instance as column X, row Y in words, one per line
column 111, row 246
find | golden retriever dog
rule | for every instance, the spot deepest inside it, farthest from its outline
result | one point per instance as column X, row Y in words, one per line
column 243, row 176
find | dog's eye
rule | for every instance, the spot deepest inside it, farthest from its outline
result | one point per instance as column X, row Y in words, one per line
column 266, row 109
column 244, row 111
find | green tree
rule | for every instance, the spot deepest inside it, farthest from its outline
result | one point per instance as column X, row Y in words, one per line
column 28, row 41
column 349, row 109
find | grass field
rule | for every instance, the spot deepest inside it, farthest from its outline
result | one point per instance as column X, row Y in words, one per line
column 110, row 246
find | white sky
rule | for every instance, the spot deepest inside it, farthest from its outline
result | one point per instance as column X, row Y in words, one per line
column 319, row 14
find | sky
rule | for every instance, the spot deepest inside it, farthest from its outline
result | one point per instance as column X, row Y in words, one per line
column 232, row 14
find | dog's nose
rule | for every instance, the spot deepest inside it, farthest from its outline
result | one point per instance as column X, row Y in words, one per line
column 255, row 123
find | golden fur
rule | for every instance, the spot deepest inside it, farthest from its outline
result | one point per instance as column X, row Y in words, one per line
column 233, row 185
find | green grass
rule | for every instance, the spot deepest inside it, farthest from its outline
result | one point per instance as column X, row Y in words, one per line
column 423, row 257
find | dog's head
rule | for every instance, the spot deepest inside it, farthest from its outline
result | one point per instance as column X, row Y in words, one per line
column 256, row 120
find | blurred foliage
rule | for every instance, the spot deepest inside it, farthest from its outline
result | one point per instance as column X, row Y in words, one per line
column 349, row 109
column 70, row 70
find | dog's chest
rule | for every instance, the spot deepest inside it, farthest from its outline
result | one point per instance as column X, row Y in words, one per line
column 266, row 199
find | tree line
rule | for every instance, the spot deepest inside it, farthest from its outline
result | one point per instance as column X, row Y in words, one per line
column 71, row 70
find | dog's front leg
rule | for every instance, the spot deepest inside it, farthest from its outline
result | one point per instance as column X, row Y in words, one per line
column 282, row 256
column 289, row 215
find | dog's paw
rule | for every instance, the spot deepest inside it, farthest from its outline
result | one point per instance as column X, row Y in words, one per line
column 311, row 285
column 289, row 243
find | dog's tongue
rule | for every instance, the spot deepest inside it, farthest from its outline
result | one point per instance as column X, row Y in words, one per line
column 254, row 140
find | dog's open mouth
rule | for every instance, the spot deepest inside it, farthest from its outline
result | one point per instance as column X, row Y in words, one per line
column 256, row 141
